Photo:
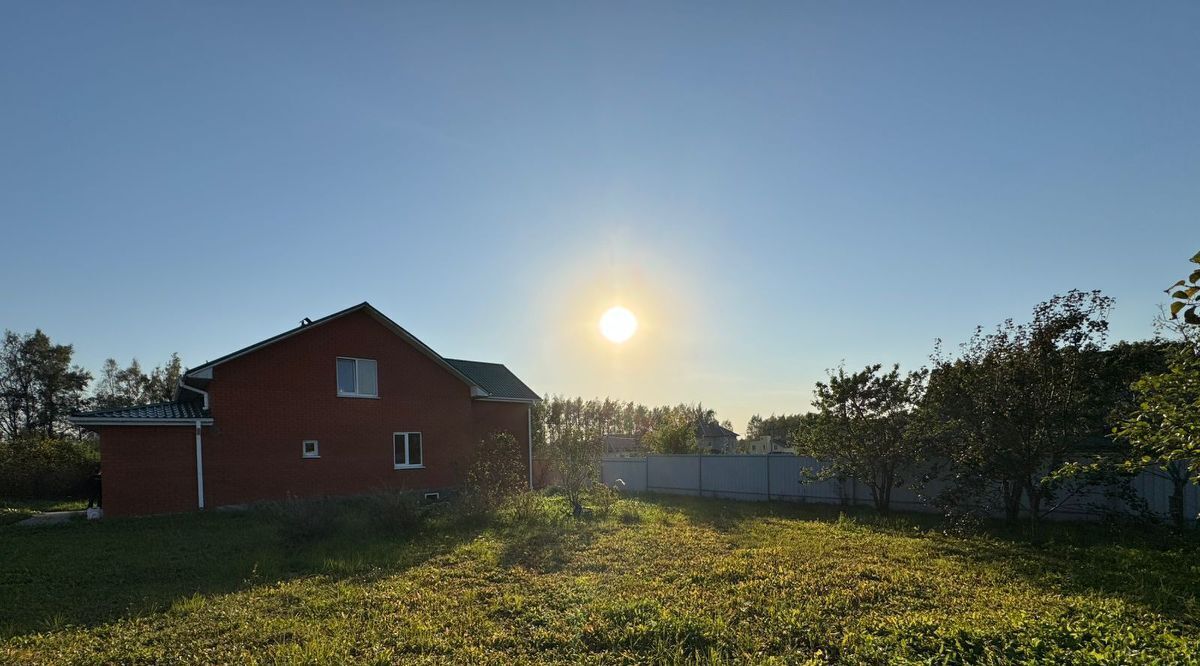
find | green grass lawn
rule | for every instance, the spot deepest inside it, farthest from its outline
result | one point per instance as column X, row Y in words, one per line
column 653, row 580
column 14, row 511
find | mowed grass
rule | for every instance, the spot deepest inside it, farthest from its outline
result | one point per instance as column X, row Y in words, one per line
column 14, row 511
column 652, row 580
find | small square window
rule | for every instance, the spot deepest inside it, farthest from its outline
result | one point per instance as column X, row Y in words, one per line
column 310, row 449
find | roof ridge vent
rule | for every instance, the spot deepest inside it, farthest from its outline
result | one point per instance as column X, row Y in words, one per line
column 305, row 322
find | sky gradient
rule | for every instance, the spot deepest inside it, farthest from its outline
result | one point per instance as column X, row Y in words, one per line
column 771, row 188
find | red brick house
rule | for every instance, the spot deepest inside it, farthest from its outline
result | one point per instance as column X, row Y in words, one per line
column 343, row 405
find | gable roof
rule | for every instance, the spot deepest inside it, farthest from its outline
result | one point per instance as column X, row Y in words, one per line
column 499, row 382
column 156, row 414
column 487, row 380
column 715, row 430
column 364, row 307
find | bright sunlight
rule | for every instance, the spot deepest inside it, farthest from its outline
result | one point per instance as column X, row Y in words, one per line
column 618, row 324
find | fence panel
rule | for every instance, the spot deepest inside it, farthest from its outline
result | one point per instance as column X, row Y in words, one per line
column 632, row 471
column 735, row 477
column 678, row 475
column 790, row 478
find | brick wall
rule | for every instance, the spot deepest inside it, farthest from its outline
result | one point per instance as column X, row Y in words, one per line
column 148, row 469
column 265, row 404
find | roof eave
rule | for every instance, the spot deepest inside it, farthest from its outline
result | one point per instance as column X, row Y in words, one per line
column 86, row 420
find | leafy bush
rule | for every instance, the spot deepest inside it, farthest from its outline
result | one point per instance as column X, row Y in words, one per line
column 497, row 472
column 34, row 466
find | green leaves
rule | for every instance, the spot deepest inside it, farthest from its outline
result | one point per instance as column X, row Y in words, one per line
column 1165, row 426
column 1187, row 300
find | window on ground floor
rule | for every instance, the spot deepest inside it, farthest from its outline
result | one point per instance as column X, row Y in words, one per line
column 407, row 449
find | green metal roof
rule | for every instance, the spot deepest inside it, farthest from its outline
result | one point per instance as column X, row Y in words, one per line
column 162, row 411
column 497, row 380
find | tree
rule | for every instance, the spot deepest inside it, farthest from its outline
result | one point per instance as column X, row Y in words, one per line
column 676, row 433
column 862, row 428
column 1185, row 295
column 1012, row 408
column 124, row 387
column 613, row 417
column 164, row 380
column 1163, row 425
column 574, row 440
column 1164, row 428
column 781, row 429
column 39, row 387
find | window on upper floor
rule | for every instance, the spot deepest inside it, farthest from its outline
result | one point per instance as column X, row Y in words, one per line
column 357, row 378
column 406, row 446
column 309, row 449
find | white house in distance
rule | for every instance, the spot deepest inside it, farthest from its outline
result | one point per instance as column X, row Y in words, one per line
column 764, row 444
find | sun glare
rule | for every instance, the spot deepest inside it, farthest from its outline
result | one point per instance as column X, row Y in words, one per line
column 618, row 324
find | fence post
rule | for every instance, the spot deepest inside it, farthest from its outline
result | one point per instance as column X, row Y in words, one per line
column 699, row 475
column 768, row 477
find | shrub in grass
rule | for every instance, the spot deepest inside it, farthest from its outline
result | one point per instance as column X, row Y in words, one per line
column 496, row 473
column 629, row 515
column 603, row 498
column 304, row 521
column 34, row 466
column 394, row 512
column 531, row 510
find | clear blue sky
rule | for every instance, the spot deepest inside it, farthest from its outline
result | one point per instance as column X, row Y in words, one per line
column 772, row 188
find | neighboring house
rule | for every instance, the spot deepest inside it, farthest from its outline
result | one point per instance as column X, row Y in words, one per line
column 344, row 405
column 713, row 438
column 623, row 445
column 764, row 444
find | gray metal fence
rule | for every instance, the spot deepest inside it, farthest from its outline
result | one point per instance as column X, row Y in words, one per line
column 782, row 477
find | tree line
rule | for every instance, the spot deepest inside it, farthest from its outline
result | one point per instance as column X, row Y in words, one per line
column 40, row 385
column 41, row 453
column 1020, row 418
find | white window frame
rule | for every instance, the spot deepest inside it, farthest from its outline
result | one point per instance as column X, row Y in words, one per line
column 316, row 452
column 407, row 451
column 355, row 393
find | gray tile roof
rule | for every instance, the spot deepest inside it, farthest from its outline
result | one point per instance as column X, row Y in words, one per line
column 162, row 410
column 715, row 430
column 496, row 379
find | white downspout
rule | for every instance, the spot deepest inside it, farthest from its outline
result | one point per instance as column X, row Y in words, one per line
column 199, row 467
column 529, row 431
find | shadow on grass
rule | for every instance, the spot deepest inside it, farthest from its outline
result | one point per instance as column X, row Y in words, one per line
column 544, row 536
column 88, row 574
column 1149, row 566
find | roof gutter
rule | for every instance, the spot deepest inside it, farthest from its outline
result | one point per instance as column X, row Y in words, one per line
column 203, row 394
column 87, row 420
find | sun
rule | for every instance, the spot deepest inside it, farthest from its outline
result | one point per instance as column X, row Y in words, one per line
column 618, row 324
